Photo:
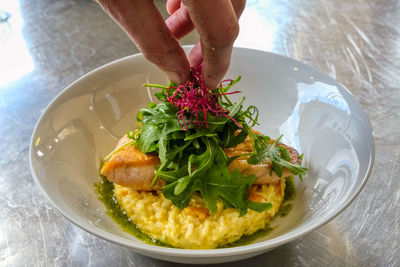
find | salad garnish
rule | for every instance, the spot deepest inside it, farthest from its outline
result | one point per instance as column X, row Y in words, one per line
column 190, row 128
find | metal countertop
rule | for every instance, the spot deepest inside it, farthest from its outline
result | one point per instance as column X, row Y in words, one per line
column 45, row 45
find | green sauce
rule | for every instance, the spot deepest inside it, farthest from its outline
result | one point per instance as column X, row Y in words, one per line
column 105, row 193
column 247, row 239
column 285, row 209
column 290, row 189
column 290, row 194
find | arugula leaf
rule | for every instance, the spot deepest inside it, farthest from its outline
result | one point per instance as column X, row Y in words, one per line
column 149, row 134
column 236, row 140
column 284, row 153
column 172, row 176
column 183, row 199
column 258, row 206
column 278, row 155
column 225, row 89
column 231, row 188
column 234, row 109
column 193, row 160
column 295, row 169
column 174, row 151
column 203, row 161
column 228, row 135
column 263, row 150
column 182, row 183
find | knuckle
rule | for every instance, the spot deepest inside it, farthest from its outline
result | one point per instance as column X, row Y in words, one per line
column 224, row 39
column 161, row 55
column 153, row 55
column 234, row 31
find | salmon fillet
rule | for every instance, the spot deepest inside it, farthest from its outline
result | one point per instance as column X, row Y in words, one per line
column 262, row 171
column 130, row 167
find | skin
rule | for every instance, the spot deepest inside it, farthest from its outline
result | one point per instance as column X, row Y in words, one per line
column 215, row 20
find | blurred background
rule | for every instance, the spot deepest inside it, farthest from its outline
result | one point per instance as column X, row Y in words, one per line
column 47, row 44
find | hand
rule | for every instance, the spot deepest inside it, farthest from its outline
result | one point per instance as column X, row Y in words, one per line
column 216, row 22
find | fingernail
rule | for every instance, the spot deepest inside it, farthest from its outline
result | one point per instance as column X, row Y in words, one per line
column 174, row 76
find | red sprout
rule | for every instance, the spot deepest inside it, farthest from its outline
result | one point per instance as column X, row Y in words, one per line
column 193, row 99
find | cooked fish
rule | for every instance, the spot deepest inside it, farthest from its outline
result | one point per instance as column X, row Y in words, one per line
column 130, row 167
column 262, row 171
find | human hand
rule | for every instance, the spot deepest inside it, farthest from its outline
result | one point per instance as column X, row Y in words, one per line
column 216, row 22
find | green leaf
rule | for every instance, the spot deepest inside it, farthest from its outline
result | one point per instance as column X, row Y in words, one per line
column 236, row 107
column 277, row 168
column 149, row 134
column 284, row 153
column 263, row 150
column 203, row 161
column 236, row 140
column 194, row 160
column 167, row 176
column 258, row 206
column 232, row 188
column 295, row 169
column 196, row 144
column 155, row 85
column 172, row 176
column 225, row 89
column 195, row 135
column 182, row 184
column 152, row 105
column 183, row 199
column 162, row 145
column 174, row 151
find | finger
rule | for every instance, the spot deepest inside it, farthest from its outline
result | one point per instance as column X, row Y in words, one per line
column 143, row 23
column 238, row 6
column 173, row 5
column 195, row 56
column 179, row 22
column 217, row 34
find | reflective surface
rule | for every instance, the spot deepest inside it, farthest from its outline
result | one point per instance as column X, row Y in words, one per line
column 55, row 42
column 318, row 117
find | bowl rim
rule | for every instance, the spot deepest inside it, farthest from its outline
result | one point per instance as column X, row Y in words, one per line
column 200, row 253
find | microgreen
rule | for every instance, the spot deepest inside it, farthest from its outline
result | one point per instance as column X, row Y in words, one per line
column 194, row 100
column 190, row 128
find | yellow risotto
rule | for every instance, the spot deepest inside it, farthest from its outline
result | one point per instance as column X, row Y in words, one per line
column 194, row 227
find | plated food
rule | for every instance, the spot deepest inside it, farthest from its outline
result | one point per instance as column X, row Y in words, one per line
column 195, row 174
column 313, row 114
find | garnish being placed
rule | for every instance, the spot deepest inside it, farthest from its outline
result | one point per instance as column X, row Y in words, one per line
column 195, row 174
column 189, row 130
column 194, row 100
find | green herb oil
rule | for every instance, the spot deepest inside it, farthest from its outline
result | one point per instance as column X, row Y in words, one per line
column 105, row 193
column 248, row 239
column 290, row 189
column 290, row 194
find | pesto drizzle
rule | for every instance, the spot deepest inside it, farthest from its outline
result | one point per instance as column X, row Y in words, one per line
column 290, row 194
column 247, row 239
column 105, row 193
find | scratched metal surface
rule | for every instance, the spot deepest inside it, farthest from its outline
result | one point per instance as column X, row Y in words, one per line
column 44, row 45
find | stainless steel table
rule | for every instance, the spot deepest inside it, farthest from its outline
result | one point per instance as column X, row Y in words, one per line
column 46, row 44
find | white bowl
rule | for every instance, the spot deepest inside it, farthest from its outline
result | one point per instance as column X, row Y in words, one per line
column 316, row 114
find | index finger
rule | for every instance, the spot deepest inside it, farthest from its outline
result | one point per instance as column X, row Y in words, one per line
column 145, row 26
column 218, row 27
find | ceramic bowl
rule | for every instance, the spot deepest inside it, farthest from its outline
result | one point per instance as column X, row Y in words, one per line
column 316, row 115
